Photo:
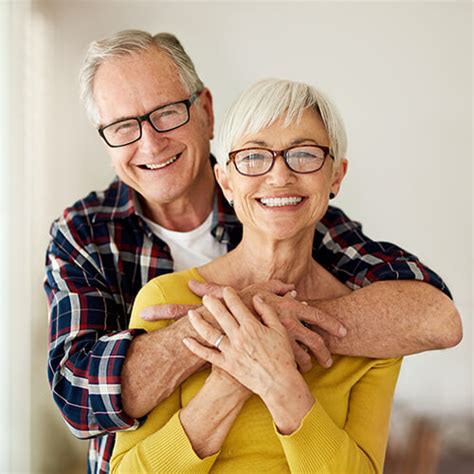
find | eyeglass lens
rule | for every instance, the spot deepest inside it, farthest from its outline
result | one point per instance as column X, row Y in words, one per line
column 302, row 159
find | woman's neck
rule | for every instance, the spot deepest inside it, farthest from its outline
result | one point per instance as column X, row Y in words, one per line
column 258, row 258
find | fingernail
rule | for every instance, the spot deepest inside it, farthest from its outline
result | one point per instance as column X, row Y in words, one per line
column 342, row 331
column 186, row 341
column 305, row 303
column 293, row 293
column 329, row 363
column 259, row 299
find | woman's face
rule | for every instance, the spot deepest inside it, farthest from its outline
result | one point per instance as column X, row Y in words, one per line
column 280, row 217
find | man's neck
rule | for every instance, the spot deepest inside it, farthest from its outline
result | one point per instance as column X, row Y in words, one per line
column 189, row 210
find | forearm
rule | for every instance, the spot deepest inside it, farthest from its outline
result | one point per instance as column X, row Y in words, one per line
column 288, row 401
column 155, row 364
column 392, row 319
column 81, row 371
column 209, row 416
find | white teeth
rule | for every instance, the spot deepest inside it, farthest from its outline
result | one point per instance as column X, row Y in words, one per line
column 161, row 165
column 283, row 201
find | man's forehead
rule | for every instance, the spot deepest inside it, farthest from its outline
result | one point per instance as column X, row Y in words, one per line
column 134, row 84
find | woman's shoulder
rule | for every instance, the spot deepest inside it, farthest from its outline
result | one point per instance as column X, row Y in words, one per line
column 171, row 288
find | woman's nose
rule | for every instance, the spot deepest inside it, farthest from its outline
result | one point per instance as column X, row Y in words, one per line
column 280, row 174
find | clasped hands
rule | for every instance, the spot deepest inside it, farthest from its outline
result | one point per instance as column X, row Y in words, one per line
column 303, row 324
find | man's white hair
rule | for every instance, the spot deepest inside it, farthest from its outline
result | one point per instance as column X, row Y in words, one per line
column 128, row 42
column 265, row 102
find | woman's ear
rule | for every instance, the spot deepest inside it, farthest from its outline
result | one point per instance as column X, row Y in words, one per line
column 337, row 176
column 223, row 180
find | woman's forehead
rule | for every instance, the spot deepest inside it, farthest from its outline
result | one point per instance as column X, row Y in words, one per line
column 308, row 127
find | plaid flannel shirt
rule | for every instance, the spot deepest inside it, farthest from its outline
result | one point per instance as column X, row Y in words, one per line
column 102, row 252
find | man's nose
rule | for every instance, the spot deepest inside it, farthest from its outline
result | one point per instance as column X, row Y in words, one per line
column 280, row 174
column 151, row 140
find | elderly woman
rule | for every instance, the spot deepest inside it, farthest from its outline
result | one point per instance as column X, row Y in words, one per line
column 281, row 156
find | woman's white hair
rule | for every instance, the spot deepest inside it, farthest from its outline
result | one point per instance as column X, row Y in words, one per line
column 129, row 42
column 266, row 101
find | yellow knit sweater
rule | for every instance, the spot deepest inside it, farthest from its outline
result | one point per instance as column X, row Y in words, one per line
column 346, row 431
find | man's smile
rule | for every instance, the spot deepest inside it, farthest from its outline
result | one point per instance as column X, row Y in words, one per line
column 157, row 166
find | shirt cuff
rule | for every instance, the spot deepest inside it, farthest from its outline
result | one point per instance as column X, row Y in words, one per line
column 404, row 269
column 314, row 443
column 105, row 391
column 177, row 453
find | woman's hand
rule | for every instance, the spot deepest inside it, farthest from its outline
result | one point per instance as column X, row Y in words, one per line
column 257, row 354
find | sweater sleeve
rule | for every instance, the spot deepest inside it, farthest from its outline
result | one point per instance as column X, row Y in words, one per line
column 160, row 445
column 320, row 446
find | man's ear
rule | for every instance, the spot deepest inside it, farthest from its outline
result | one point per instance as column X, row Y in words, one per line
column 337, row 176
column 223, row 181
column 206, row 101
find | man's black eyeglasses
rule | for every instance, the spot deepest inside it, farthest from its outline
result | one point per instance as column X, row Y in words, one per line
column 163, row 119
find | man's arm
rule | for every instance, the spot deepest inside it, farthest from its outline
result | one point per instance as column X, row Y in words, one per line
column 393, row 319
column 383, row 320
column 399, row 307
column 158, row 362
column 87, row 343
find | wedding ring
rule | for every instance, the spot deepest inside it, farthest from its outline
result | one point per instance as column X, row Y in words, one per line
column 219, row 341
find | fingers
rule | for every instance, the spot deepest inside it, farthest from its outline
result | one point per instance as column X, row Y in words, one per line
column 237, row 307
column 221, row 314
column 212, row 356
column 201, row 289
column 206, row 331
column 315, row 343
column 166, row 311
column 267, row 313
column 303, row 359
column 323, row 320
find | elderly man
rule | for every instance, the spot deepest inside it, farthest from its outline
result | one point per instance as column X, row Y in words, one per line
column 164, row 212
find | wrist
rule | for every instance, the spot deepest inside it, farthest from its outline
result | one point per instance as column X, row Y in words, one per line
column 289, row 402
column 228, row 385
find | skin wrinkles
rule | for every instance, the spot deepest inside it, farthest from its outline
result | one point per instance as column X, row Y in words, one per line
column 276, row 232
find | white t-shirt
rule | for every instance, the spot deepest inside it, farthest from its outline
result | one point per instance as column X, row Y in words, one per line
column 190, row 249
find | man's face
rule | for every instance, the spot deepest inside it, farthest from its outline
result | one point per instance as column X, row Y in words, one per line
column 133, row 86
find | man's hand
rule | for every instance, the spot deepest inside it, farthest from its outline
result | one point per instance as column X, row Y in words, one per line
column 305, row 325
column 177, row 311
column 295, row 316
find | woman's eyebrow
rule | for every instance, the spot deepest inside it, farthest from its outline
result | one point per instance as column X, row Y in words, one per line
column 296, row 141
column 299, row 141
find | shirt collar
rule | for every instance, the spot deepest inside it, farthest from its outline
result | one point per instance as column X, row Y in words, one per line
column 117, row 202
column 121, row 202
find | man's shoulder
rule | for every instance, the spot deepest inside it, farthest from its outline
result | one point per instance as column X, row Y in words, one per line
column 335, row 224
column 94, row 209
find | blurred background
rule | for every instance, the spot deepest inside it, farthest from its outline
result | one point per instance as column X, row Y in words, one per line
column 401, row 75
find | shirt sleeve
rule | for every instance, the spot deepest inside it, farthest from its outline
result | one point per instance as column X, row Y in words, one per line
column 343, row 249
column 321, row 447
column 87, row 344
column 161, row 443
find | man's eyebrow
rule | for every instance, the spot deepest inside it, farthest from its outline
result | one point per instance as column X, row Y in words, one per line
column 130, row 117
column 119, row 119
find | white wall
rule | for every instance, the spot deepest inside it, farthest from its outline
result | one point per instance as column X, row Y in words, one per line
column 401, row 75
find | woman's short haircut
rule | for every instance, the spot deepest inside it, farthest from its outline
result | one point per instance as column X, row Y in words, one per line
column 126, row 43
column 263, row 103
